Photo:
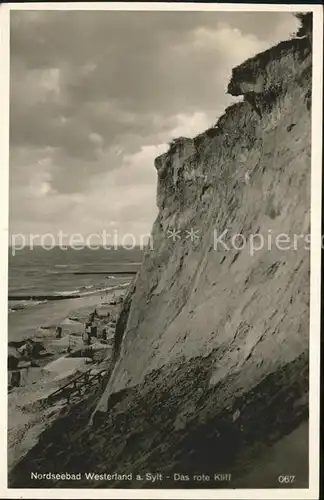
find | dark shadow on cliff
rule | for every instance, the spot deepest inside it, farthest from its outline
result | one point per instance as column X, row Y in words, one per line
column 175, row 423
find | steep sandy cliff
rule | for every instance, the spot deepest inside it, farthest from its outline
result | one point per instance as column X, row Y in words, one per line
column 211, row 347
column 197, row 297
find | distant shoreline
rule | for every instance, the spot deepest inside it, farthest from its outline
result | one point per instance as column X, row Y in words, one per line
column 43, row 297
column 111, row 273
column 97, row 291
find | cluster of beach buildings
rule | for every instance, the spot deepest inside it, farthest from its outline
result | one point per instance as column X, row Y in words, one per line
column 67, row 348
column 50, row 371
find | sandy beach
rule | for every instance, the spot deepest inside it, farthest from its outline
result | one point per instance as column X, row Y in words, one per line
column 29, row 411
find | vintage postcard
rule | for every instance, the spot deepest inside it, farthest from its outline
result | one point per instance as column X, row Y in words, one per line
column 161, row 240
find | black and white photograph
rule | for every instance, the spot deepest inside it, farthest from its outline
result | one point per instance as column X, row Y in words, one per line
column 162, row 289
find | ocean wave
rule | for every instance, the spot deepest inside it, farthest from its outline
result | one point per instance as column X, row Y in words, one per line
column 23, row 304
column 105, row 289
column 93, row 290
column 68, row 292
column 77, row 291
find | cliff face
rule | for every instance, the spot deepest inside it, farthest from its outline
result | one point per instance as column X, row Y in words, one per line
column 211, row 353
column 207, row 326
column 249, row 176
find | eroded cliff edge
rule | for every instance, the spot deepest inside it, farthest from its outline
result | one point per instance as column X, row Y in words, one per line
column 211, row 353
column 248, row 175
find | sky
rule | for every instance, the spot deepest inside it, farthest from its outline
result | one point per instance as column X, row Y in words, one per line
column 96, row 96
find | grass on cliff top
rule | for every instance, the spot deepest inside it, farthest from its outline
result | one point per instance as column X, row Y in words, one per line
column 306, row 23
column 279, row 67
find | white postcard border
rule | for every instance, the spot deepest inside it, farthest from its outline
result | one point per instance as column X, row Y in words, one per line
column 316, row 199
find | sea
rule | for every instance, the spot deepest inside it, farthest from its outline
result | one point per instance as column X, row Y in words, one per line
column 41, row 283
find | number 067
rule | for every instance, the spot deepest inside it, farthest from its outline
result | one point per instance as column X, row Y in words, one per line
column 286, row 479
